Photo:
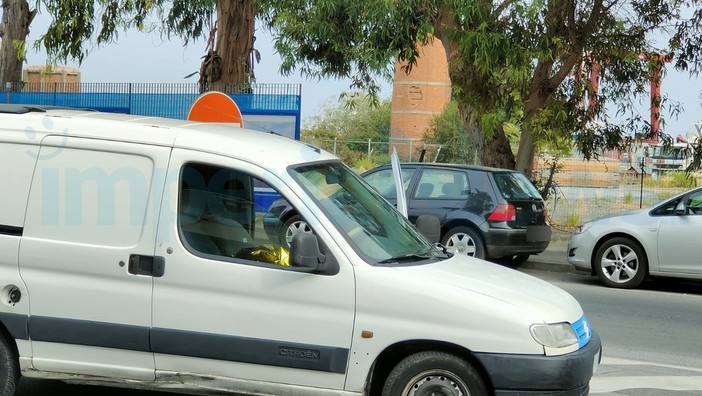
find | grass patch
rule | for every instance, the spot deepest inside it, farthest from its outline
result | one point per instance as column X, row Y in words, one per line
column 628, row 198
column 572, row 220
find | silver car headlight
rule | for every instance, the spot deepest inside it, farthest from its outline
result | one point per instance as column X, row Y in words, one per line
column 557, row 338
column 581, row 228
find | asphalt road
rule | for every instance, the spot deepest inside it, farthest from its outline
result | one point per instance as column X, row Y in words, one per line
column 650, row 335
column 651, row 339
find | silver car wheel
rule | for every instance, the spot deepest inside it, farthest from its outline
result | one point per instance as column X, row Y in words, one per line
column 619, row 263
column 465, row 241
column 460, row 243
column 295, row 226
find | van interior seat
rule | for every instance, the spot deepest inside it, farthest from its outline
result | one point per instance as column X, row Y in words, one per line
column 210, row 233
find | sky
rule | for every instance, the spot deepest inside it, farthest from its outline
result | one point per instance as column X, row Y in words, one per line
column 146, row 58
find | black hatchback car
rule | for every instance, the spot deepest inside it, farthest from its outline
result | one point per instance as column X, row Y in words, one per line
column 484, row 212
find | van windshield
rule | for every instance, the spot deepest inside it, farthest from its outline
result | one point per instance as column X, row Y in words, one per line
column 378, row 232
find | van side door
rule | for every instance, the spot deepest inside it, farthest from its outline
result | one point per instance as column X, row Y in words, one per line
column 229, row 304
column 90, row 224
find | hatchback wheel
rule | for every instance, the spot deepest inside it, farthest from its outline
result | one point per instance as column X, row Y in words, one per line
column 464, row 240
column 293, row 226
column 621, row 262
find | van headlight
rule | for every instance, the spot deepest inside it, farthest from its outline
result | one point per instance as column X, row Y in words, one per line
column 557, row 338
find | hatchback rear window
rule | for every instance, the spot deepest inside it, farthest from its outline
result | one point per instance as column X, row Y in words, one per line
column 513, row 185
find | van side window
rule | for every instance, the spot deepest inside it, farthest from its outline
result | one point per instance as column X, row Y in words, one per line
column 226, row 214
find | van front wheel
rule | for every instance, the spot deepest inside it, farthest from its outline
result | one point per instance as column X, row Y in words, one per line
column 434, row 373
column 9, row 368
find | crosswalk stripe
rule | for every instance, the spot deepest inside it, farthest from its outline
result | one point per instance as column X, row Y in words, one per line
column 676, row 383
column 606, row 383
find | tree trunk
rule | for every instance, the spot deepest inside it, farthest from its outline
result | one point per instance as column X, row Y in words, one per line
column 14, row 29
column 235, row 36
column 496, row 150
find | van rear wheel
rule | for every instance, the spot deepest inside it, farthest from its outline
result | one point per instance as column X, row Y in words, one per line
column 9, row 368
column 434, row 373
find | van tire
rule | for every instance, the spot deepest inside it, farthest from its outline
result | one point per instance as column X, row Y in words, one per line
column 9, row 368
column 466, row 241
column 434, row 373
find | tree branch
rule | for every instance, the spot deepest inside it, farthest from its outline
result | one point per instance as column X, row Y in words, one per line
column 503, row 6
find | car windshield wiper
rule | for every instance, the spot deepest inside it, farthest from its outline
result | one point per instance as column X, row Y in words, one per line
column 443, row 250
column 411, row 257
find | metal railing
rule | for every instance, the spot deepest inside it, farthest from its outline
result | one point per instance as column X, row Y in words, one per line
column 154, row 99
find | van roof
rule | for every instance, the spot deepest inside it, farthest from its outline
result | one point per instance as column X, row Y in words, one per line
column 28, row 124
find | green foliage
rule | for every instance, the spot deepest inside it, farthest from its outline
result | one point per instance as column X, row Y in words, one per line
column 447, row 129
column 519, row 62
column 572, row 220
column 21, row 47
column 628, row 198
column 74, row 23
column 346, row 126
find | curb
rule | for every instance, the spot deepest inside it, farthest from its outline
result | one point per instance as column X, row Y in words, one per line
column 535, row 264
column 554, row 258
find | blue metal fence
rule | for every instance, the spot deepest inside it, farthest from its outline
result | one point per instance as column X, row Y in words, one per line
column 158, row 100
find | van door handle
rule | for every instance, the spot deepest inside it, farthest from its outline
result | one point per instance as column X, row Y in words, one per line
column 147, row 265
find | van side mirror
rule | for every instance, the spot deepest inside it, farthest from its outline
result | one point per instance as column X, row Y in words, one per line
column 305, row 253
column 430, row 227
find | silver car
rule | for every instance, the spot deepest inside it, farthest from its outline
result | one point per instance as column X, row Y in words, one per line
column 623, row 249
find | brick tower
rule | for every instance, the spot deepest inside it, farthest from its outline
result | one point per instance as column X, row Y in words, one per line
column 418, row 97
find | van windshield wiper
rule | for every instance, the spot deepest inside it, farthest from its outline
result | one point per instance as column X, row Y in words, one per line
column 411, row 257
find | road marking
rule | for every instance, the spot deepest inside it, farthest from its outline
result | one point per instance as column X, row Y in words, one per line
column 616, row 361
column 608, row 384
column 676, row 383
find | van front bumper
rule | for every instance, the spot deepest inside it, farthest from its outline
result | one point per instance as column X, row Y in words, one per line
column 566, row 375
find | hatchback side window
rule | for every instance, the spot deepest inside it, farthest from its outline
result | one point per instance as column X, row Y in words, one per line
column 442, row 184
column 384, row 182
column 232, row 215
column 694, row 203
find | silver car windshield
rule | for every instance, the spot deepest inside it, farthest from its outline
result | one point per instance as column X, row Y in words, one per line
column 377, row 232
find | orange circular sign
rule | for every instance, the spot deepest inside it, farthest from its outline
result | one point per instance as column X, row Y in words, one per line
column 215, row 107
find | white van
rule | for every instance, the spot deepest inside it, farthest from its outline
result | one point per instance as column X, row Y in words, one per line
column 133, row 252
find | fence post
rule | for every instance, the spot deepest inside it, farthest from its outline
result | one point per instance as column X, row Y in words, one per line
column 8, row 89
column 335, row 146
column 369, row 149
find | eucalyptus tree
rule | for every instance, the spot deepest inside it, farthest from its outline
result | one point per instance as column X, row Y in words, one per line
column 523, row 62
column 227, row 26
column 14, row 28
